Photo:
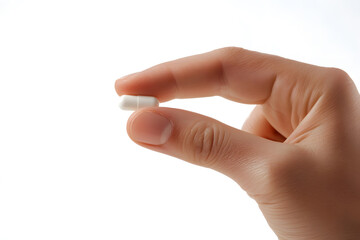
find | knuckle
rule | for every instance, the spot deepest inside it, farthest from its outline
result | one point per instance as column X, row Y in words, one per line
column 337, row 80
column 231, row 51
column 338, row 73
column 292, row 167
column 205, row 142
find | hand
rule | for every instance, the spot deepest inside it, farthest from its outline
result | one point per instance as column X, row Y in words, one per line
column 298, row 154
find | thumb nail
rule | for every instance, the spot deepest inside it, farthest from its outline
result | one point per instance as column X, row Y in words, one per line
column 150, row 128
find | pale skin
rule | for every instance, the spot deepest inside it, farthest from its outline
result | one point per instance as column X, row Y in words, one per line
column 298, row 153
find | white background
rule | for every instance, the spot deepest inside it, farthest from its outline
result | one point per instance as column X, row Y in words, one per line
column 67, row 167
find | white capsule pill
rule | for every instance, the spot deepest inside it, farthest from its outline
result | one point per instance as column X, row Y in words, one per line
column 128, row 102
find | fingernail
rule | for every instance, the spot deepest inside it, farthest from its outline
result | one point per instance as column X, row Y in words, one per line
column 119, row 83
column 122, row 79
column 150, row 128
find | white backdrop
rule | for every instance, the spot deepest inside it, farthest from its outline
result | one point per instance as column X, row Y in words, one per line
column 67, row 167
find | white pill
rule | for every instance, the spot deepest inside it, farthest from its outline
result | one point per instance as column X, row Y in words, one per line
column 128, row 102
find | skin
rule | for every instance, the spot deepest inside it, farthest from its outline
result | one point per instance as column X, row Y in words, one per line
column 298, row 153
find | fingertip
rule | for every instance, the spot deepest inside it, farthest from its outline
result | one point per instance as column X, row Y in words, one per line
column 121, row 83
column 134, row 115
column 130, row 121
column 116, row 87
column 145, row 84
column 149, row 127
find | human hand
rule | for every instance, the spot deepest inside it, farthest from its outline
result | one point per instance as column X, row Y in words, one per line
column 298, row 154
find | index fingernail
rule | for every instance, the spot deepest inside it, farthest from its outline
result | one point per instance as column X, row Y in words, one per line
column 126, row 76
column 122, row 80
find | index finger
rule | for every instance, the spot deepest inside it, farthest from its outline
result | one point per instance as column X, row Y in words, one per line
column 234, row 73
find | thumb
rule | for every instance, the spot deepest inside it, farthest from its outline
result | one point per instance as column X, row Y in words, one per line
column 204, row 141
